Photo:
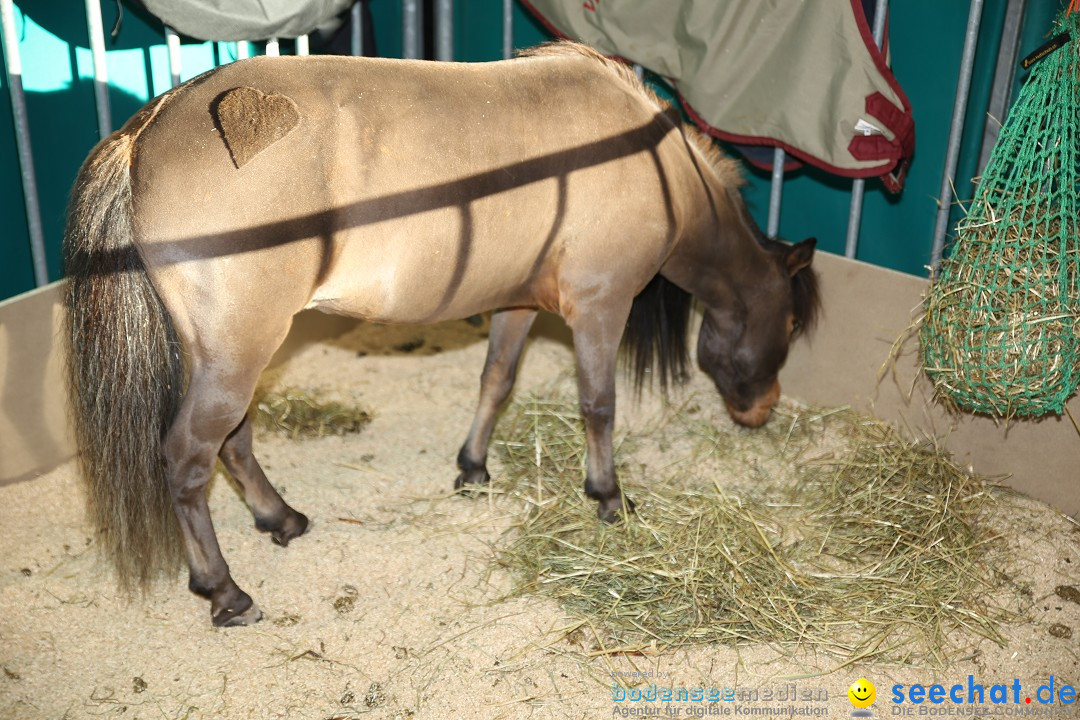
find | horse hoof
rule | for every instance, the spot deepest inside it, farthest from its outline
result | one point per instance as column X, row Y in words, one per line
column 469, row 478
column 281, row 532
column 249, row 617
column 611, row 511
column 241, row 611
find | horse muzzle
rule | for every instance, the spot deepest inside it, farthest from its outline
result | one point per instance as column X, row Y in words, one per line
column 758, row 413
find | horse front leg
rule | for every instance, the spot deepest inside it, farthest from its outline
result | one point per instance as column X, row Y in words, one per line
column 272, row 514
column 506, row 340
column 596, row 343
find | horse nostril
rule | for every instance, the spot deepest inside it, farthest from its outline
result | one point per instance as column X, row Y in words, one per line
column 755, row 417
column 758, row 413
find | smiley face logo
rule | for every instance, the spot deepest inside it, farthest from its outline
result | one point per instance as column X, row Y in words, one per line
column 862, row 693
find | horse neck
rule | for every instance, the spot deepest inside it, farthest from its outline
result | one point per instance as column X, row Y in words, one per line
column 718, row 254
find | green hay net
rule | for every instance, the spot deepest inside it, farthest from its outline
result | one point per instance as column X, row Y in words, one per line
column 1000, row 334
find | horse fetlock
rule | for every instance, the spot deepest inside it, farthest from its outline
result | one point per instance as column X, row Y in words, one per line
column 284, row 527
column 200, row 587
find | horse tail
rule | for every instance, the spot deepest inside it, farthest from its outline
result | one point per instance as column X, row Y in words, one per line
column 656, row 333
column 125, row 371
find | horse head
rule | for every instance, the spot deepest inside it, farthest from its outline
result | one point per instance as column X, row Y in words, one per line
column 744, row 343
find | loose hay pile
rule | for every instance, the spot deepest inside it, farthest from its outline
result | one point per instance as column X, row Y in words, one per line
column 1001, row 333
column 298, row 413
column 873, row 550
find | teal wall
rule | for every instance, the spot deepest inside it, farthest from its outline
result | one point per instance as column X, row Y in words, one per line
column 926, row 40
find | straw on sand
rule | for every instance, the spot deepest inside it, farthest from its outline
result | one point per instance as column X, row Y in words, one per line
column 298, row 413
column 876, row 549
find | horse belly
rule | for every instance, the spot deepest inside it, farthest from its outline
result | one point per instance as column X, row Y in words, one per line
column 450, row 262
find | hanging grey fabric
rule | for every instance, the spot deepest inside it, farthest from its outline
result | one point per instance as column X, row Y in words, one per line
column 804, row 76
column 245, row 19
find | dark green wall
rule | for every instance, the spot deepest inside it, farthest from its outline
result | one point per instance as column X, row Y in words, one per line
column 926, row 40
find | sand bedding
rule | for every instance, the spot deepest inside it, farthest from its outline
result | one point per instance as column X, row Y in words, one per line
column 392, row 606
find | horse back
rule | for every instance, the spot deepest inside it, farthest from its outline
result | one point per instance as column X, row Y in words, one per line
column 404, row 191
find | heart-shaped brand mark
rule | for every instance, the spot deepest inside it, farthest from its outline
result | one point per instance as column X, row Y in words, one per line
column 251, row 121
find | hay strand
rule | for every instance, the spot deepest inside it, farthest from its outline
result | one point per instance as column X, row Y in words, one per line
column 298, row 414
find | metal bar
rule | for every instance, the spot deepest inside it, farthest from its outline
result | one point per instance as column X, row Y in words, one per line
column 776, row 190
column 952, row 153
column 101, row 73
column 858, row 187
column 172, row 42
column 303, row 47
column 640, row 72
column 243, row 49
column 444, row 30
column 508, row 29
column 357, row 28
column 410, row 29
column 273, row 48
column 1008, row 51
column 10, row 42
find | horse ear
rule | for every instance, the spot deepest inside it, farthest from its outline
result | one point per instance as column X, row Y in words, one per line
column 799, row 255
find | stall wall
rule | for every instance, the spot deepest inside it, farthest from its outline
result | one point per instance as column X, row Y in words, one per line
column 841, row 364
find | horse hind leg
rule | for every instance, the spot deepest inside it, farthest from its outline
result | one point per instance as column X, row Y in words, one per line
column 272, row 514
column 213, row 406
column 506, row 340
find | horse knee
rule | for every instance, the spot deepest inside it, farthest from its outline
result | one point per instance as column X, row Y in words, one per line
column 598, row 412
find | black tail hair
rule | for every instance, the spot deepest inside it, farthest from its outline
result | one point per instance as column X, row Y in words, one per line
column 125, row 372
column 656, row 333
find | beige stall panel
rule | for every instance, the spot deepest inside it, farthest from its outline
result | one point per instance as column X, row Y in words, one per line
column 865, row 309
column 34, row 434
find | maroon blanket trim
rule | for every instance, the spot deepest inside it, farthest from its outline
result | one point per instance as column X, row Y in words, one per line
column 867, row 172
column 878, row 56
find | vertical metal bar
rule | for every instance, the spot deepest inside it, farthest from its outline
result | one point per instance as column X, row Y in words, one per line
column 10, row 42
column 273, row 48
column 508, row 29
column 101, row 73
column 303, row 47
column 243, row 49
column 854, row 218
column 776, row 190
column 357, row 28
column 640, row 72
column 172, row 42
column 1000, row 94
column 858, row 187
column 410, row 29
column 956, row 132
column 444, row 30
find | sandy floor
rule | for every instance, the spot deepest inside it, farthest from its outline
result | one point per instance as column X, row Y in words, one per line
column 391, row 607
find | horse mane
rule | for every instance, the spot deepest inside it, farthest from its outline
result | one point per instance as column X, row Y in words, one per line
column 727, row 170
